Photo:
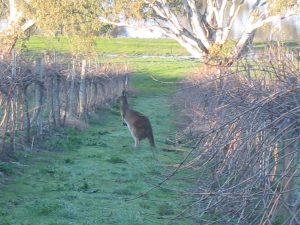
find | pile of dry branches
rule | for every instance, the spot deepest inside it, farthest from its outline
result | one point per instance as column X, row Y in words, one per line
column 40, row 94
column 244, row 123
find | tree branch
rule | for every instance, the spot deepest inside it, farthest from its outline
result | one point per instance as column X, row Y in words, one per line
column 196, row 25
column 118, row 24
column 233, row 13
column 27, row 25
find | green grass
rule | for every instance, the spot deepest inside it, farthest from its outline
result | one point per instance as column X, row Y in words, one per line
column 119, row 46
column 166, row 71
column 96, row 172
column 124, row 46
column 288, row 44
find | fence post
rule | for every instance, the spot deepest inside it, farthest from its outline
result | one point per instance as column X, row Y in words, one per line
column 82, row 92
column 14, row 98
column 72, row 95
column 56, row 93
column 290, row 172
column 56, row 98
column 39, row 94
column 27, row 114
column 95, row 95
column 298, row 60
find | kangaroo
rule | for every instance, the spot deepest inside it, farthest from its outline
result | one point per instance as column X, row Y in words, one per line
column 137, row 123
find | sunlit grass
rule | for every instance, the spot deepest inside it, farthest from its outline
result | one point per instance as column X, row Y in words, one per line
column 123, row 46
column 119, row 46
column 91, row 175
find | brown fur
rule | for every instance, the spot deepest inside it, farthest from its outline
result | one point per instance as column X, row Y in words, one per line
column 137, row 123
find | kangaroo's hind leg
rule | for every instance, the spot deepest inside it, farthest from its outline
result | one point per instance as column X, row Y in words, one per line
column 136, row 142
column 135, row 138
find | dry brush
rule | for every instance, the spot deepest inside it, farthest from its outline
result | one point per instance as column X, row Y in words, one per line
column 244, row 126
column 42, row 93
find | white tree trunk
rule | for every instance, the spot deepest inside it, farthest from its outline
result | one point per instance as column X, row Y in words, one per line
column 16, row 26
column 209, row 22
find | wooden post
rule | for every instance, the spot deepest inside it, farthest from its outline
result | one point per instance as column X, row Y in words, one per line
column 14, row 99
column 39, row 94
column 5, row 120
column 56, row 98
column 288, row 184
column 82, row 92
column 88, row 95
column 298, row 60
column 72, row 95
column 120, row 85
column 94, row 95
column 102, row 92
column 56, row 93
column 27, row 115
column 248, row 68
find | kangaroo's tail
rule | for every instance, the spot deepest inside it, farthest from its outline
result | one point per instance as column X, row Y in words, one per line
column 151, row 139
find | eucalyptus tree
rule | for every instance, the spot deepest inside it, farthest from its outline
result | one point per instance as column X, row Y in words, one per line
column 201, row 26
column 75, row 18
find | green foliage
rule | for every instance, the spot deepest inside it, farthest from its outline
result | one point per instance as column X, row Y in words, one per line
column 165, row 209
column 69, row 161
column 82, row 44
column 138, row 9
column 130, row 8
column 116, row 159
column 218, row 51
column 73, row 18
column 6, row 168
column 3, row 8
column 63, row 140
column 69, row 17
column 106, row 29
column 278, row 7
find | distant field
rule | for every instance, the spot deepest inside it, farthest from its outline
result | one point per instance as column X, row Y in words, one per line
column 124, row 46
column 120, row 46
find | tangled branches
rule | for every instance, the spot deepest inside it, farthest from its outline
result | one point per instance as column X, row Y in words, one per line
column 245, row 121
column 50, row 90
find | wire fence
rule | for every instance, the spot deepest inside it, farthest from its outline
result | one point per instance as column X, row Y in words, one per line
column 47, row 91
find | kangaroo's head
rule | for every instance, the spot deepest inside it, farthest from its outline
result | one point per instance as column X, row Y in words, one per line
column 123, row 100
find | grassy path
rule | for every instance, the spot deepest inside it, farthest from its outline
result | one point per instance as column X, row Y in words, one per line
column 90, row 181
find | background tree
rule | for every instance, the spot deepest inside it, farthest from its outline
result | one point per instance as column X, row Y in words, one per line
column 17, row 25
column 76, row 19
column 202, row 27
